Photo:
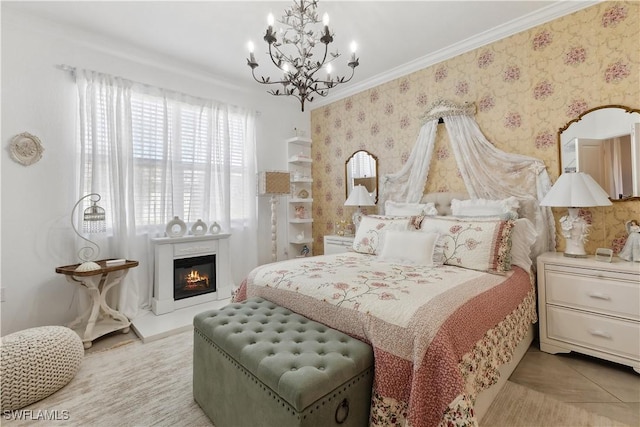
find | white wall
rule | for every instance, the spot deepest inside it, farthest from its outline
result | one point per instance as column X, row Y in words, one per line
column 36, row 200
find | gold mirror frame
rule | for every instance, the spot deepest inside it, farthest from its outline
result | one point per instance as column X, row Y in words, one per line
column 626, row 109
column 371, row 182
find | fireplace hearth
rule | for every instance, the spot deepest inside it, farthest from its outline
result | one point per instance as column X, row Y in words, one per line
column 190, row 270
column 194, row 276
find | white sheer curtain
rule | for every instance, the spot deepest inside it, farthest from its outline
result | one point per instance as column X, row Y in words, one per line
column 487, row 172
column 154, row 154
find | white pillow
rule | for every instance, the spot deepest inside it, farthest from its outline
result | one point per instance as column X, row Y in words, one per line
column 505, row 208
column 415, row 247
column 523, row 237
column 406, row 209
column 371, row 232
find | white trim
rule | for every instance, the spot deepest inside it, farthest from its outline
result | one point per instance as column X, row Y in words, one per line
column 114, row 48
column 546, row 14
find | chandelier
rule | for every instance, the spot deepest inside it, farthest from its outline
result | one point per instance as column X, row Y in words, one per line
column 295, row 54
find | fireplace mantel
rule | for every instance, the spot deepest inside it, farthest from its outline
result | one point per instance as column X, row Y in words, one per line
column 167, row 249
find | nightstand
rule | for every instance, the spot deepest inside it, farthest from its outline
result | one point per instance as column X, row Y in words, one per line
column 590, row 307
column 334, row 244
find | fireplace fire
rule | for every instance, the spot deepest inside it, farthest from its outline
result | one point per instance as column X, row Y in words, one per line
column 194, row 276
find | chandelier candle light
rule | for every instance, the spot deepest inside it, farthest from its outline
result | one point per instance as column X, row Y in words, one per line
column 294, row 54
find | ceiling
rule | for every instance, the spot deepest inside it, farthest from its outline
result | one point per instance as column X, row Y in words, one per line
column 210, row 37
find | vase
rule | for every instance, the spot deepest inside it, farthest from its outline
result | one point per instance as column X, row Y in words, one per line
column 215, row 228
column 198, row 228
column 176, row 227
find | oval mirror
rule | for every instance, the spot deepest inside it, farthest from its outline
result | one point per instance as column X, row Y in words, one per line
column 362, row 169
column 603, row 142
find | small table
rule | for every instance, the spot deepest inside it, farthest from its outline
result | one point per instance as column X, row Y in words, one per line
column 99, row 319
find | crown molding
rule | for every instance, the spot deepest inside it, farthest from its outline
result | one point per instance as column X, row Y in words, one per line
column 108, row 46
column 546, row 14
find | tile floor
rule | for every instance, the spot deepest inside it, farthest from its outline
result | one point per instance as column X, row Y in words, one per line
column 595, row 385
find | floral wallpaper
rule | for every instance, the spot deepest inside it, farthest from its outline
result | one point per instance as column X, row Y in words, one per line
column 525, row 87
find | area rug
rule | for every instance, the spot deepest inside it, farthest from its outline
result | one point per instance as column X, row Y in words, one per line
column 151, row 385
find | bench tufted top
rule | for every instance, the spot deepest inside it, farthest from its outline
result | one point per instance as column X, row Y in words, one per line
column 299, row 359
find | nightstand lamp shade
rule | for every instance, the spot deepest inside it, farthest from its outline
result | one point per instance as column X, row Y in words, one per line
column 274, row 183
column 573, row 191
column 359, row 196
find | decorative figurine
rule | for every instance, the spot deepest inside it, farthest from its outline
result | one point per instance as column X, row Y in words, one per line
column 301, row 212
column 305, row 250
column 631, row 250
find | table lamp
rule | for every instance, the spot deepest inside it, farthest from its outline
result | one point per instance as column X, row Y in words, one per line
column 359, row 196
column 575, row 190
column 93, row 221
column 274, row 184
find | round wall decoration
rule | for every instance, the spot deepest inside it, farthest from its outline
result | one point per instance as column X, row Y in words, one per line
column 26, row 149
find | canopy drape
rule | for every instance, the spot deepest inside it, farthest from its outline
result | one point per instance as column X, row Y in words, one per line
column 487, row 172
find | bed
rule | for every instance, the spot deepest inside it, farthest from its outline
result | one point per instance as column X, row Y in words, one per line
column 447, row 326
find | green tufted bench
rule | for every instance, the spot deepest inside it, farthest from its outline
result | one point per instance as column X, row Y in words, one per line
column 258, row 364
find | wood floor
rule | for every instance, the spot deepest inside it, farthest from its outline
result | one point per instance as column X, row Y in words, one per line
column 595, row 385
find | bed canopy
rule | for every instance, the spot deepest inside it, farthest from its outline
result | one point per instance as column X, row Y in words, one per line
column 488, row 173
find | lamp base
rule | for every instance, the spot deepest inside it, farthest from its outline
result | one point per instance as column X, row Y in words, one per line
column 356, row 218
column 574, row 230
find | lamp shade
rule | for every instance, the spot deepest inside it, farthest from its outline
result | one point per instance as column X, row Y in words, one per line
column 576, row 190
column 359, row 196
column 273, row 182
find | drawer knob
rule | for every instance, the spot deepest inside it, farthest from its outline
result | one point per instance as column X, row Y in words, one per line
column 598, row 295
column 598, row 333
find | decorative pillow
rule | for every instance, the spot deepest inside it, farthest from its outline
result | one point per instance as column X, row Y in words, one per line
column 415, row 247
column 406, row 209
column 523, row 237
column 370, row 235
column 477, row 244
column 505, row 208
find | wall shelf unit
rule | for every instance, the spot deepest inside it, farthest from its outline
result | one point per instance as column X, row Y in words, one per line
column 299, row 210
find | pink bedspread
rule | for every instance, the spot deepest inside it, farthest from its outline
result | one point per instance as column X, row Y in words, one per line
column 438, row 334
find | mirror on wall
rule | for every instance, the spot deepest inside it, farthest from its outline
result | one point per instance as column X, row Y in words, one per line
column 604, row 142
column 362, row 169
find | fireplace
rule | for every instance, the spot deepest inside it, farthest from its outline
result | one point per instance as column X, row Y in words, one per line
column 190, row 270
column 194, row 276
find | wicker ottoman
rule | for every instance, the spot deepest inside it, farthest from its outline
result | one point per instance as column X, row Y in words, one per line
column 259, row 364
column 37, row 362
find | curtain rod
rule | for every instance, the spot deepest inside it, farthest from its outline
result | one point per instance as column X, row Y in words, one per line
column 73, row 70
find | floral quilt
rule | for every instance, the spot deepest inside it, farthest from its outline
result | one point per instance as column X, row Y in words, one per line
column 438, row 334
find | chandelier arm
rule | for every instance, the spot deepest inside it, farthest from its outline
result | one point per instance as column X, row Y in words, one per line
column 267, row 82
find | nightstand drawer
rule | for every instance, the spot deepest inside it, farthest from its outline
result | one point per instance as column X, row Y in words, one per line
column 600, row 294
column 606, row 334
column 337, row 244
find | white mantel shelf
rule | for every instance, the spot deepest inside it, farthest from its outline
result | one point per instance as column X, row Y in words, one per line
column 188, row 239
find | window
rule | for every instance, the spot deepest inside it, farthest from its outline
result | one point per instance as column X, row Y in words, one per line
column 188, row 159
